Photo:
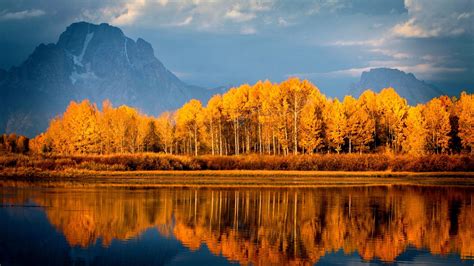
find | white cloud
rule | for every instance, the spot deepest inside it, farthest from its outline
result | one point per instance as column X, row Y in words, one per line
column 19, row 15
column 236, row 15
column 391, row 53
column 131, row 11
column 185, row 22
column 282, row 22
column 163, row 2
column 210, row 15
column 411, row 29
column 371, row 42
column 465, row 15
column 435, row 18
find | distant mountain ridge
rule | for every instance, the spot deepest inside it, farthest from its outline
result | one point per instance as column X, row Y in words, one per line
column 90, row 61
column 406, row 85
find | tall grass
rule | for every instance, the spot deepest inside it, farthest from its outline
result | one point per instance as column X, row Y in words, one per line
column 326, row 162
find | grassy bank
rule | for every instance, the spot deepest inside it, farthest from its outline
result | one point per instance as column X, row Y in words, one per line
column 326, row 162
column 228, row 178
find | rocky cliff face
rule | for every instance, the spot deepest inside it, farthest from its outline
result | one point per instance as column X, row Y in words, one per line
column 90, row 61
column 406, row 84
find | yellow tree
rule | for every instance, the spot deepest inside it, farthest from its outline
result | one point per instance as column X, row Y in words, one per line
column 142, row 131
column 362, row 130
column 106, row 129
column 437, row 125
column 280, row 109
column 37, row 144
column 255, row 105
column 187, row 119
column 81, row 127
column 414, row 132
column 165, row 127
column 234, row 102
column 368, row 102
column 336, row 125
column 55, row 139
column 268, row 116
column 125, row 128
column 148, row 137
column 312, row 124
column 350, row 109
column 393, row 110
column 297, row 92
column 465, row 113
column 215, row 111
column 152, row 139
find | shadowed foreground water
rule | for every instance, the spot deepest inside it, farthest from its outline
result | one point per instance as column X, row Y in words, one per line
column 169, row 226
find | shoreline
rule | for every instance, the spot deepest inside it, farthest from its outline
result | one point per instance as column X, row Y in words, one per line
column 230, row 179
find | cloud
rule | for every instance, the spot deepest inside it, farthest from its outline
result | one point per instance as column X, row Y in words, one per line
column 236, row 15
column 371, row 42
column 209, row 16
column 19, row 15
column 163, row 2
column 132, row 10
column 282, row 22
column 465, row 15
column 185, row 22
column 248, row 30
column 423, row 70
column 391, row 53
column 411, row 29
column 436, row 18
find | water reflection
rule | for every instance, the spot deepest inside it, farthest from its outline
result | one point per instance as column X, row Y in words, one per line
column 262, row 226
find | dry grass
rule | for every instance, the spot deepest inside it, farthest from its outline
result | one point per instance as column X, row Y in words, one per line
column 155, row 170
column 326, row 162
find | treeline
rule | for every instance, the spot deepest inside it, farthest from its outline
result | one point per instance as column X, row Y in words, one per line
column 266, row 118
column 13, row 143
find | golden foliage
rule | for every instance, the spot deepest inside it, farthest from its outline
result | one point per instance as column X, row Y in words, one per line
column 291, row 117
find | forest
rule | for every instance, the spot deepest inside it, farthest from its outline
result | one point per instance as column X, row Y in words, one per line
column 288, row 118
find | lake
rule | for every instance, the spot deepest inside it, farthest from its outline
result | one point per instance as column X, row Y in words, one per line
column 357, row 225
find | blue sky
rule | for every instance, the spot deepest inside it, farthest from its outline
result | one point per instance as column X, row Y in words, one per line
column 214, row 43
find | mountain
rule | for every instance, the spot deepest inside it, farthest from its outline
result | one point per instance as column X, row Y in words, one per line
column 90, row 61
column 406, row 85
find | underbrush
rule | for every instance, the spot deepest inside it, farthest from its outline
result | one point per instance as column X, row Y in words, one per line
column 317, row 162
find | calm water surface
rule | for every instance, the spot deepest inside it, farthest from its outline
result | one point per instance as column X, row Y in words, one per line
column 324, row 226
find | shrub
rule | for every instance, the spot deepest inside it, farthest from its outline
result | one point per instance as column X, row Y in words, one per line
column 320, row 162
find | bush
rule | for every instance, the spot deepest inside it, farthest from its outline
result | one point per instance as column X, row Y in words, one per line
column 319, row 162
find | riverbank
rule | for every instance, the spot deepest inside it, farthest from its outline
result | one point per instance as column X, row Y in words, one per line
column 229, row 178
column 315, row 162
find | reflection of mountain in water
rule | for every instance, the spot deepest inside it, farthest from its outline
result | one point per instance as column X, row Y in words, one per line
column 279, row 226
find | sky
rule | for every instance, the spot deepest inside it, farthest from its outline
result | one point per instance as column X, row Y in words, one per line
column 213, row 43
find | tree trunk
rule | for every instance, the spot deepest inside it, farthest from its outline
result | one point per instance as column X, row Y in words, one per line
column 195, row 141
column 236, row 138
column 248, row 138
column 287, row 142
column 350, row 144
column 295, row 132
column 220, row 137
column 212, row 137
column 259, row 132
column 274, row 145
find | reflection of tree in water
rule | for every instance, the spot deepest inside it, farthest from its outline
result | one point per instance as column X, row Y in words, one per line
column 274, row 226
